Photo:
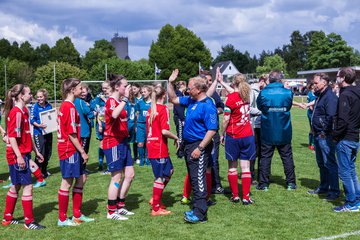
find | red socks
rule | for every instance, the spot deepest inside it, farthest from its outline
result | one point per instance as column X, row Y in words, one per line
column 63, row 197
column 208, row 184
column 187, row 186
column 11, row 199
column 27, row 204
column 111, row 206
column 233, row 182
column 158, row 189
column 37, row 173
column 246, row 184
column 77, row 195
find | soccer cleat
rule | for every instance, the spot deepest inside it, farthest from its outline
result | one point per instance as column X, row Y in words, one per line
column 82, row 218
column 311, row 147
column 39, row 184
column 262, row 188
column 184, row 200
column 161, row 204
column 106, row 172
column 247, row 201
column 160, row 212
column 190, row 212
column 235, row 199
column 316, row 191
column 137, row 161
column 34, row 226
column 67, row 223
column 194, row 219
column 123, row 211
column 10, row 222
column 291, row 186
column 116, row 216
column 346, row 208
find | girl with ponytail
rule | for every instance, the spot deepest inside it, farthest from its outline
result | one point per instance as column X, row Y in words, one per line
column 158, row 131
column 18, row 149
column 239, row 138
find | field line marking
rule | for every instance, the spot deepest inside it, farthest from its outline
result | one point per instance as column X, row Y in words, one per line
column 344, row 235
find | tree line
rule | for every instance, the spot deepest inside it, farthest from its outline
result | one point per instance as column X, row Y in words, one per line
column 175, row 47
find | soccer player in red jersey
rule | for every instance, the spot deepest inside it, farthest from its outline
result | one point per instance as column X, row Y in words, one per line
column 158, row 131
column 238, row 137
column 116, row 148
column 71, row 154
column 18, row 155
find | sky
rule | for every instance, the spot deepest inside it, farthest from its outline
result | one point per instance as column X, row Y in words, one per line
column 249, row 25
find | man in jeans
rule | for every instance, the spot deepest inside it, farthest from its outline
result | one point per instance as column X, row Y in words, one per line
column 346, row 134
column 322, row 122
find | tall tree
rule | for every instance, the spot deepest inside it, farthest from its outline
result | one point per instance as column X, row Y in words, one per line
column 295, row 53
column 64, row 51
column 102, row 50
column 5, row 48
column 243, row 62
column 42, row 54
column 271, row 63
column 27, row 53
column 132, row 70
column 178, row 48
column 44, row 76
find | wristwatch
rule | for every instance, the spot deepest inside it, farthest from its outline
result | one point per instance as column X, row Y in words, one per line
column 200, row 148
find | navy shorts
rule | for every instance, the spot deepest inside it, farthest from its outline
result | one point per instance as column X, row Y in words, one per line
column 118, row 157
column 140, row 132
column 72, row 167
column 240, row 148
column 162, row 167
column 21, row 176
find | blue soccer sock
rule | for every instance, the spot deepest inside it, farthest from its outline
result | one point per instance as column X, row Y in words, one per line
column 141, row 151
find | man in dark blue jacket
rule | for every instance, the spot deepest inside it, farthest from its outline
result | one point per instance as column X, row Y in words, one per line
column 322, row 123
column 346, row 133
column 275, row 102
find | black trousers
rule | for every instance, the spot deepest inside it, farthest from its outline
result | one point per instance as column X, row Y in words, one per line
column 44, row 145
column 196, row 169
column 179, row 130
column 257, row 133
column 285, row 152
column 85, row 143
column 215, row 169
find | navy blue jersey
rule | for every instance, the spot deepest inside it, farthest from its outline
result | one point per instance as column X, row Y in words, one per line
column 201, row 116
column 35, row 116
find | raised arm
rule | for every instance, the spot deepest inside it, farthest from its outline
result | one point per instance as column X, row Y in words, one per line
column 171, row 91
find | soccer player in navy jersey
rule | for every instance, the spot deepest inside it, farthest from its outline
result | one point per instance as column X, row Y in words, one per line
column 201, row 125
column 158, row 131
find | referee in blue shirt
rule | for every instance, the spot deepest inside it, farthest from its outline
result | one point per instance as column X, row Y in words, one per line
column 201, row 124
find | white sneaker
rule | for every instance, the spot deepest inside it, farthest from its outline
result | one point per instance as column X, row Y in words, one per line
column 124, row 211
column 116, row 216
column 137, row 161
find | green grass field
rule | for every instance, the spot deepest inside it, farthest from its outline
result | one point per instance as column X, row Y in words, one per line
column 277, row 214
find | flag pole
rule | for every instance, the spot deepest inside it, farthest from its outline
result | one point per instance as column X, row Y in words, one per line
column 155, row 70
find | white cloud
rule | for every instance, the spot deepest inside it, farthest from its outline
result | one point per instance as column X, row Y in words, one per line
column 16, row 29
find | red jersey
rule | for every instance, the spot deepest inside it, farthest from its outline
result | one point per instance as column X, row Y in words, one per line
column 18, row 127
column 239, row 125
column 68, row 123
column 116, row 130
column 156, row 143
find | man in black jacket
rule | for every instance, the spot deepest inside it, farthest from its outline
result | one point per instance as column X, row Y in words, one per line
column 346, row 134
column 322, row 122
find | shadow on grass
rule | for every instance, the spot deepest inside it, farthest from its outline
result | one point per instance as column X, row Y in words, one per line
column 309, row 183
column 169, row 198
column 133, row 201
column 44, row 209
column 91, row 206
